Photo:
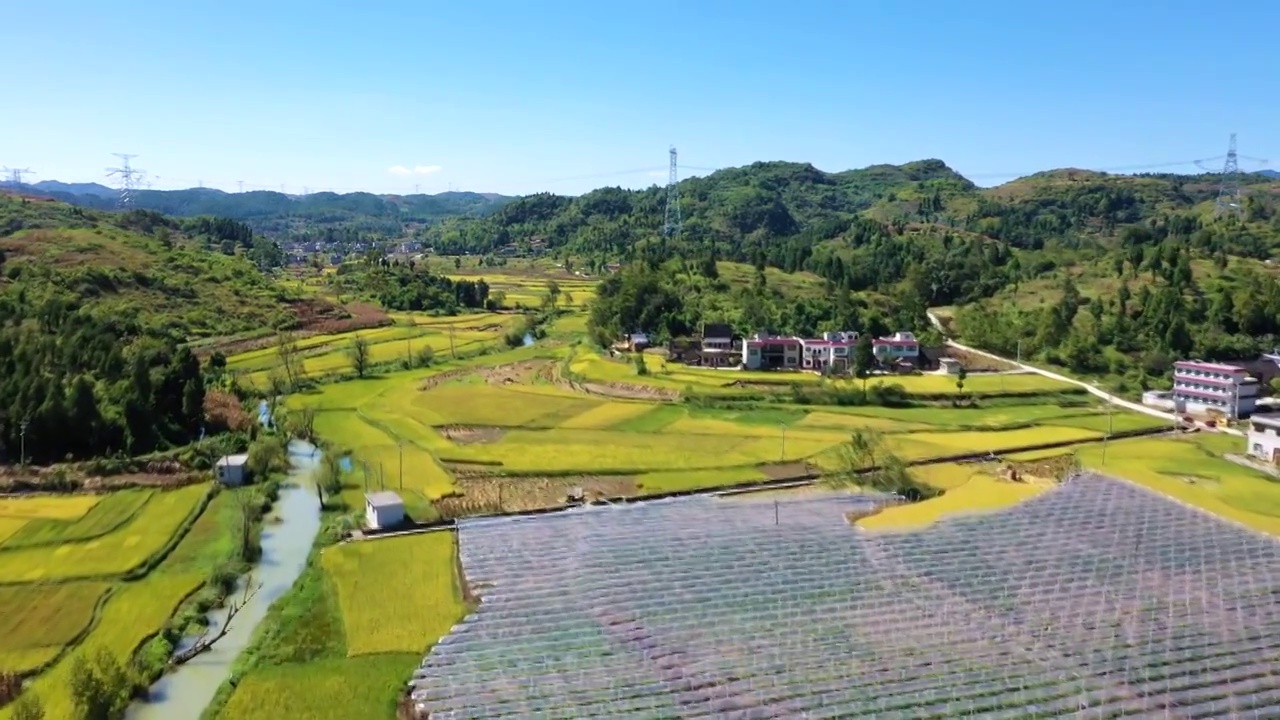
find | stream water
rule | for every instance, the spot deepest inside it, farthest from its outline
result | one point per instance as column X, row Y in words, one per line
column 286, row 542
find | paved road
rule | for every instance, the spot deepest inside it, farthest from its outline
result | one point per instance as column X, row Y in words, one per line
column 1114, row 400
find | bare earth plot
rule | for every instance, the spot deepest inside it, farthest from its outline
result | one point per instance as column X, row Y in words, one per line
column 1096, row 599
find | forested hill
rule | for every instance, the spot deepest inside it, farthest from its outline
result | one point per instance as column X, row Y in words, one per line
column 1106, row 275
column 798, row 216
column 95, row 312
column 276, row 213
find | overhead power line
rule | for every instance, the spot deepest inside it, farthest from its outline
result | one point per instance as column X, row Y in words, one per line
column 15, row 174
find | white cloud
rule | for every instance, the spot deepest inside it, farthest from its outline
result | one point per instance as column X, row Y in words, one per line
column 415, row 170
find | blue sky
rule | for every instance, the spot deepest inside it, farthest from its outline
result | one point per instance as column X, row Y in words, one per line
column 518, row 97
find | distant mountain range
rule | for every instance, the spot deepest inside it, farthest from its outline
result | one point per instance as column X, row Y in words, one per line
column 1270, row 173
column 274, row 212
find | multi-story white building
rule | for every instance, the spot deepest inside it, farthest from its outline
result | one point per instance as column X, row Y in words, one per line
column 1264, row 437
column 896, row 347
column 1201, row 388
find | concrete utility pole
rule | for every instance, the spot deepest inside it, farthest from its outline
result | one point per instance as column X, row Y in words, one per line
column 400, row 445
column 784, row 443
column 22, row 434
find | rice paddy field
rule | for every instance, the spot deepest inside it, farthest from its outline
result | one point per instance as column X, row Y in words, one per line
column 80, row 573
column 517, row 430
column 996, row 599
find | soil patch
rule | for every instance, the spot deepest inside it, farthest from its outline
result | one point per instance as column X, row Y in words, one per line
column 471, row 434
column 625, row 391
column 497, row 493
column 974, row 362
column 515, row 373
column 469, row 470
column 313, row 316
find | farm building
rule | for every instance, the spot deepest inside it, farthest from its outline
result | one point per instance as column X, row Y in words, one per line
column 1264, row 437
column 233, row 470
column 383, row 509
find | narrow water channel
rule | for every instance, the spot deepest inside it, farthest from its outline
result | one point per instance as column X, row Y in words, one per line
column 286, row 542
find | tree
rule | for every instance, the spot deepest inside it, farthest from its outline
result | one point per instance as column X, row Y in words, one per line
column 290, row 360
column 553, row 293
column 266, row 455
column 100, row 690
column 329, row 479
column 28, row 707
column 641, row 367
column 207, row 640
column 864, row 359
column 865, row 461
column 960, row 378
column 359, row 355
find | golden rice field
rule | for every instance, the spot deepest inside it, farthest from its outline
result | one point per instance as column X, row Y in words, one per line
column 394, row 599
column 980, row 493
column 113, row 554
column 64, row 588
column 396, row 595
column 328, row 355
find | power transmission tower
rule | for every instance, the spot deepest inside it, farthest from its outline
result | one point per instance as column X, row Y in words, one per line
column 1229, row 189
column 129, row 177
column 15, row 174
column 671, row 227
column 240, row 184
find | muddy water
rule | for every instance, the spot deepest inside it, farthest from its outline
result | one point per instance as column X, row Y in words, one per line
column 286, row 543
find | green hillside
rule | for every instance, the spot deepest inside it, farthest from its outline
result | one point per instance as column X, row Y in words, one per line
column 96, row 312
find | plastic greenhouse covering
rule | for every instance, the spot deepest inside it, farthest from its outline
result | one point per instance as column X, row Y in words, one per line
column 1098, row 599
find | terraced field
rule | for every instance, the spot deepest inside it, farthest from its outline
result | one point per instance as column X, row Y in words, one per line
column 83, row 573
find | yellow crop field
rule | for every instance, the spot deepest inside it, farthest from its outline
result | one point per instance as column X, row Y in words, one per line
column 362, row 688
column 676, row 481
column 602, row 450
column 980, row 494
column 133, row 613
column 1191, row 469
column 36, row 621
column 369, row 444
column 711, row 426
column 50, row 507
column 112, row 554
column 9, row 526
column 977, row 383
column 946, row 475
column 473, row 404
column 397, row 594
column 112, row 513
column 920, row 445
column 851, row 422
column 606, row 415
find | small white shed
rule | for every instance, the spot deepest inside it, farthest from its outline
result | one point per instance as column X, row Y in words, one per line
column 949, row 366
column 233, row 469
column 383, row 510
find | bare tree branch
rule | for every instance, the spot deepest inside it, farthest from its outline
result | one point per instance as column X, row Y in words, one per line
column 208, row 638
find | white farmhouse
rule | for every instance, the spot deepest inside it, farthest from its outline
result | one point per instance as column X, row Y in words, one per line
column 232, row 470
column 1264, row 437
column 383, row 509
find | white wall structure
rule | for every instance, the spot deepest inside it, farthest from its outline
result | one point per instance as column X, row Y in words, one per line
column 383, row 510
column 232, row 470
column 1263, row 438
column 1201, row 388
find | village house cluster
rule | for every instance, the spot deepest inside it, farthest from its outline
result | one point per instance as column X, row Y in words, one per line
column 718, row 347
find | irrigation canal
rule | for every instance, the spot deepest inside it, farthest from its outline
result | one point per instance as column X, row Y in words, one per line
column 286, row 542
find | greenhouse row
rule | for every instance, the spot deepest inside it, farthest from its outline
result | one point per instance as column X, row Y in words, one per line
column 1097, row 599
